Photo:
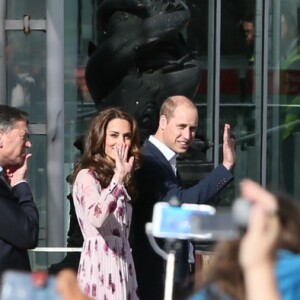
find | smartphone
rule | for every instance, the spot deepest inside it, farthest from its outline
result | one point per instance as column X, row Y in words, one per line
column 18, row 285
column 192, row 221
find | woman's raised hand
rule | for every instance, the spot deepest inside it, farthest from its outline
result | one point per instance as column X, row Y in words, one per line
column 123, row 163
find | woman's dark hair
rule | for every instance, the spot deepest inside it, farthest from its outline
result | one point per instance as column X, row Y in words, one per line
column 94, row 157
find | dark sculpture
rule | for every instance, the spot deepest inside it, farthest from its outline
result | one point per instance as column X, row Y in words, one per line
column 142, row 57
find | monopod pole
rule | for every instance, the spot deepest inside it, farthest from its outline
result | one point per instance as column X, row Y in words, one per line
column 169, row 275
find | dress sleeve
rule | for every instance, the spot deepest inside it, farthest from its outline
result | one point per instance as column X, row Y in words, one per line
column 97, row 203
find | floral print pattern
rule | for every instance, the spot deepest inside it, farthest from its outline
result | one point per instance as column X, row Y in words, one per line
column 106, row 269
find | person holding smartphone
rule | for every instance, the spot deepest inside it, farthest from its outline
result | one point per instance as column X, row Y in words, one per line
column 263, row 263
column 158, row 181
column 19, row 220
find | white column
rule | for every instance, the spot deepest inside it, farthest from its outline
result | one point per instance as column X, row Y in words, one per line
column 55, row 122
column 2, row 53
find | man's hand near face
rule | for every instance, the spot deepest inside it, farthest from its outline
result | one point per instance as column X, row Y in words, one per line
column 15, row 174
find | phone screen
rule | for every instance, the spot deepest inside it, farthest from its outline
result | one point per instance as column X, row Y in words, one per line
column 175, row 220
column 189, row 222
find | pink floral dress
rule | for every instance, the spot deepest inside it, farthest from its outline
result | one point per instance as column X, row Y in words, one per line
column 106, row 269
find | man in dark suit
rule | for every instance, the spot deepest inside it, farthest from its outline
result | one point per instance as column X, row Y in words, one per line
column 157, row 181
column 19, row 220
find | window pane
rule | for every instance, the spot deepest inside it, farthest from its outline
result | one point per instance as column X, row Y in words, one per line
column 37, row 176
column 284, row 100
column 238, row 106
column 16, row 9
column 26, row 73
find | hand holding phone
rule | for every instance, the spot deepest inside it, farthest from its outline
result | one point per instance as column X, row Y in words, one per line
column 199, row 222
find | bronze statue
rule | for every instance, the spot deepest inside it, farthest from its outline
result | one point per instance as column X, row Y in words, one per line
column 141, row 57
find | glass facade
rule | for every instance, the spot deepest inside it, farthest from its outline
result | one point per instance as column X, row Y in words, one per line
column 283, row 101
column 249, row 78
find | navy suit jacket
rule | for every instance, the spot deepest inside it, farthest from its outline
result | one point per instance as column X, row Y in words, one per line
column 19, row 226
column 157, row 182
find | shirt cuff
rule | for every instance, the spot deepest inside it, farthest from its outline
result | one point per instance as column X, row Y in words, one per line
column 118, row 189
column 20, row 181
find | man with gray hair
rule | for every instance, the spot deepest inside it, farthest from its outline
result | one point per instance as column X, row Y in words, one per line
column 19, row 220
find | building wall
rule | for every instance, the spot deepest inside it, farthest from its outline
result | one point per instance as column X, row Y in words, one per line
column 252, row 87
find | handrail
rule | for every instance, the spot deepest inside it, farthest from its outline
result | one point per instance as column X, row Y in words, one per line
column 56, row 249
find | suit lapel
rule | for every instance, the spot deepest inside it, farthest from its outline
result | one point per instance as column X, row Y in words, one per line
column 178, row 176
column 152, row 150
column 4, row 183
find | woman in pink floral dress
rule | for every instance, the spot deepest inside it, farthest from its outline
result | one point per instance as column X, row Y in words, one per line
column 103, row 186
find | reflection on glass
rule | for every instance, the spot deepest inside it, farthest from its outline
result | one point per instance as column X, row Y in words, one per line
column 37, row 178
column 36, row 9
column 26, row 89
column 248, row 30
column 37, row 175
column 284, row 108
column 26, row 72
column 237, row 101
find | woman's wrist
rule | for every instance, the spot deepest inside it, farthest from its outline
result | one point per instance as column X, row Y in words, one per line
column 119, row 175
